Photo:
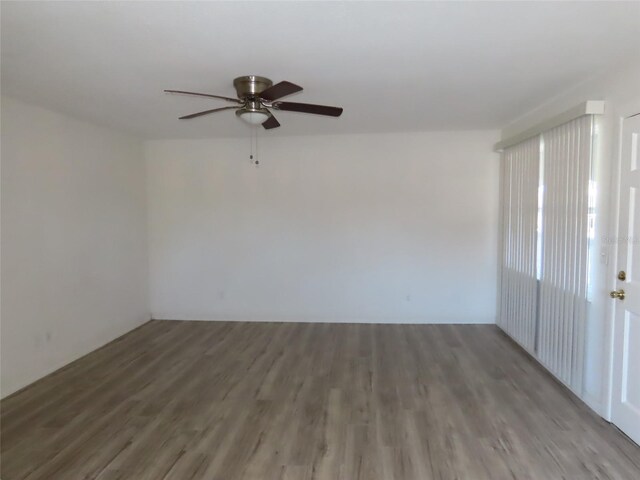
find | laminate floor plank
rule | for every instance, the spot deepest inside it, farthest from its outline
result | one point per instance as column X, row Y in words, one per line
column 279, row 401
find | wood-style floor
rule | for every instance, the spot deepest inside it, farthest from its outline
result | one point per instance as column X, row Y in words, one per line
column 227, row 401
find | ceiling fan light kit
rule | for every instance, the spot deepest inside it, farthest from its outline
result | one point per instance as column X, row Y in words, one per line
column 257, row 117
column 256, row 95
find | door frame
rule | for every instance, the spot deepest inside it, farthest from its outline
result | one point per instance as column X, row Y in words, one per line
column 619, row 116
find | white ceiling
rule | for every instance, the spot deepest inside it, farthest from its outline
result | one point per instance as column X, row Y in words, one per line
column 392, row 66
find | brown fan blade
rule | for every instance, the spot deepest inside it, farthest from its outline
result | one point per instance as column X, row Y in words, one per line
column 308, row 108
column 228, row 99
column 280, row 90
column 206, row 112
column 270, row 123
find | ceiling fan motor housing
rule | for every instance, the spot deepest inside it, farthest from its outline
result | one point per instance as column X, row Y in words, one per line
column 251, row 85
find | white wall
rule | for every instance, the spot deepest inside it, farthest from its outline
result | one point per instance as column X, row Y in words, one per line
column 376, row 228
column 74, row 246
column 621, row 91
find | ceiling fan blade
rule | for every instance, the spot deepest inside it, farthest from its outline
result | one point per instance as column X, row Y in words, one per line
column 228, row 99
column 270, row 123
column 308, row 108
column 280, row 90
column 206, row 112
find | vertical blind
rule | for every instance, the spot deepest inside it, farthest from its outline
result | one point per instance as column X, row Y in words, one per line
column 518, row 283
column 544, row 246
column 565, row 237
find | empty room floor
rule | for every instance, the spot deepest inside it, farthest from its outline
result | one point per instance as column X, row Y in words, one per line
column 208, row 400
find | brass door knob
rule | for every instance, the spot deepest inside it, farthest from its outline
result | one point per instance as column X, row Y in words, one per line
column 619, row 294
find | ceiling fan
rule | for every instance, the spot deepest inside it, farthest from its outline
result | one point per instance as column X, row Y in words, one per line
column 256, row 95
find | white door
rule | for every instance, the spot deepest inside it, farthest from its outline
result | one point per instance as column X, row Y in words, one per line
column 625, row 407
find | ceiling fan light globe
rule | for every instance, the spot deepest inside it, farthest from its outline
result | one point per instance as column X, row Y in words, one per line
column 254, row 118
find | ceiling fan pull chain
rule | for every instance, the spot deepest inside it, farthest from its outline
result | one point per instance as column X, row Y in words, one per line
column 256, row 162
column 253, row 146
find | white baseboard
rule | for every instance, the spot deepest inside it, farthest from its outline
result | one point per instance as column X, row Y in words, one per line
column 310, row 319
column 594, row 403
